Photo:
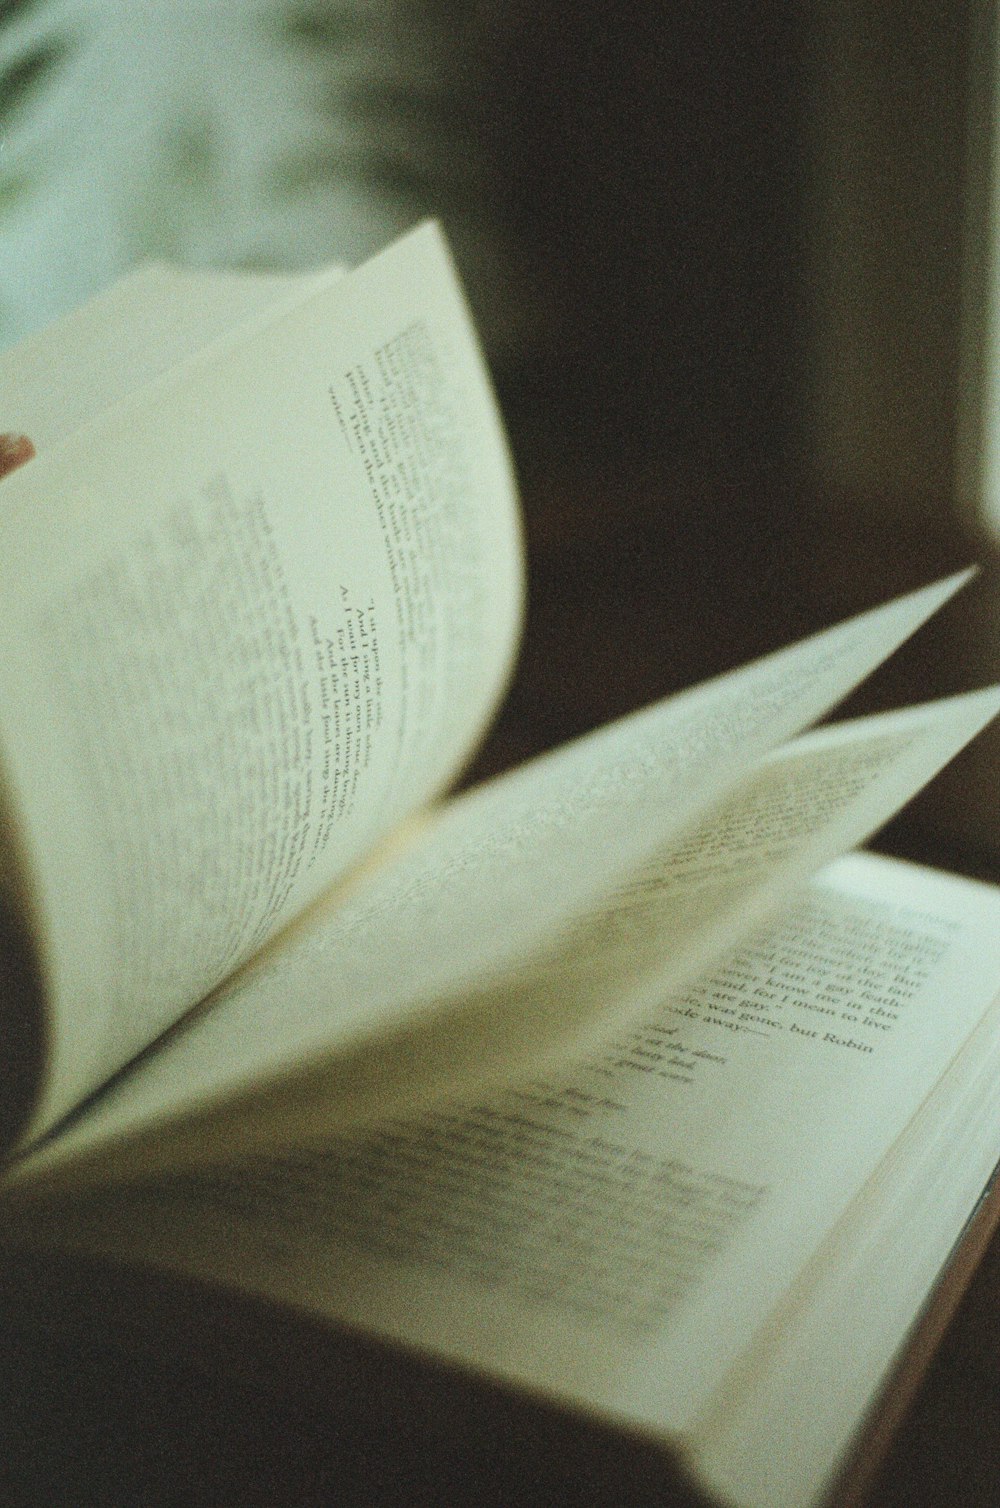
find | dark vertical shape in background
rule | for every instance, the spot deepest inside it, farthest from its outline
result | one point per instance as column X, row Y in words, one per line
column 657, row 175
column 652, row 162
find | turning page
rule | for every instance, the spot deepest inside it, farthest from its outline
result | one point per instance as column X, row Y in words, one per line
column 231, row 664
column 151, row 320
column 537, row 913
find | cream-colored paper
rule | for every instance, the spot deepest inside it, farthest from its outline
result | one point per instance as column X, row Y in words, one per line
column 153, row 320
column 230, row 666
column 307, row 1016
column 658, row 1233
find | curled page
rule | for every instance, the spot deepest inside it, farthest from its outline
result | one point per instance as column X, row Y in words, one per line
column 538, row 913
column 250, row 619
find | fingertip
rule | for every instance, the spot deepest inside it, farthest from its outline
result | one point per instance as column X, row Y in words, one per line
column 14, row 451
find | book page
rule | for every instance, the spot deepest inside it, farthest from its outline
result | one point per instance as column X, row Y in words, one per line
column 619, row 1235
column 100, row 355
column 305, row 1016
column 782, row 1425
column 150, row 321
column 249, row 619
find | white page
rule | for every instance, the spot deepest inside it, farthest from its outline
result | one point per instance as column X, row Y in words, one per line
column 249, row 620
column 547, row 1237
column 306, row 1014
column 783, row 1424
column 103, row 353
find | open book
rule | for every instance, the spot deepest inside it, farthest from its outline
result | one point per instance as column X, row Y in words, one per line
column 610, row 1081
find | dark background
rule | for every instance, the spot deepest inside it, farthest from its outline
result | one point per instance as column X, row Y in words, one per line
column 745, row 394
